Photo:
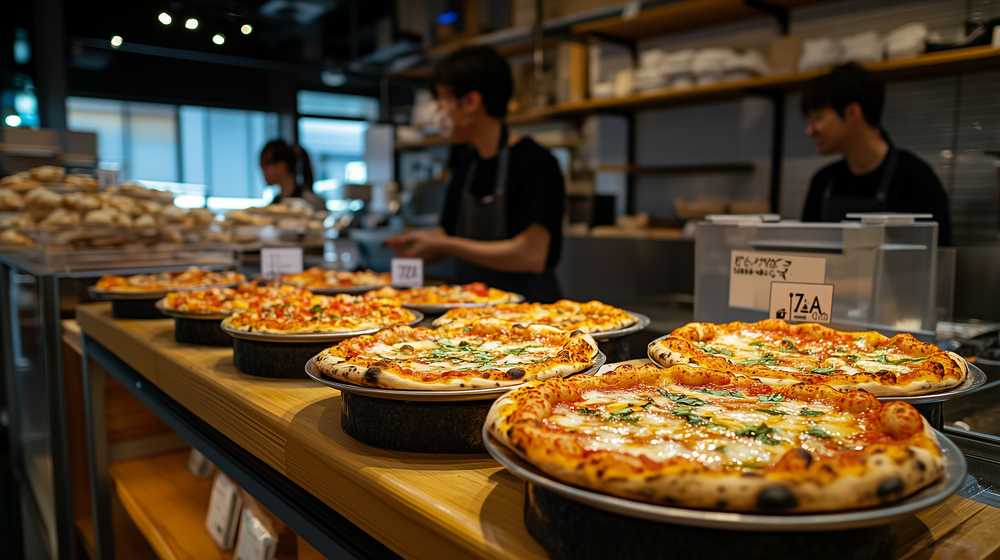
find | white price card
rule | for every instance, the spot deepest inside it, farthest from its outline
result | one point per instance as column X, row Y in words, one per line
column 223, row 512
column 255, row 541
column 751, row 274
column 797, row 301
column 276, row 261
column 407, row 273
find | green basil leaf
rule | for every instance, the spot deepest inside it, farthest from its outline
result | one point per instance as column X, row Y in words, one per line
column 816, row 431
column 810, row 412
column 824, row 370
column 773, row 397
column 772, row 411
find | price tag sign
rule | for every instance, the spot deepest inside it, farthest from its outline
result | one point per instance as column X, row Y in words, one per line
column 751, row 274
column 408, row 273
column 796, row 301
column 223, row 512
column 255, row 542
column 276, row 261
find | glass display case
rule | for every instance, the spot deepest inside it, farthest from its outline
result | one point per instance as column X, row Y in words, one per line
column 38, row 293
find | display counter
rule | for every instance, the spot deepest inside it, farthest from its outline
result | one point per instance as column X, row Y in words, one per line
column 282, row 440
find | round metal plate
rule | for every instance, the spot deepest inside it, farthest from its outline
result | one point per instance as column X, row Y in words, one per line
column 182, row 315
column 300, row 338
column 975, row 379
column 954, row 474
column 641, row 322
column 440, row 308
column 491, row 393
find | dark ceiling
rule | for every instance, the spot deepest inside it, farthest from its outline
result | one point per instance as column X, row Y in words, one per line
column 306, row 32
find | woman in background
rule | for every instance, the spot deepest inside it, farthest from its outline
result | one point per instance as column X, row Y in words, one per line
column 288, row 168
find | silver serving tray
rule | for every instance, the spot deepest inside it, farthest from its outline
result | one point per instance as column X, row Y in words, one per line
column 954, row 475
column 975, row 379
column 161, row 306
column 440, row 308
column 490, row 394
column 641, row 322
column 306, row 338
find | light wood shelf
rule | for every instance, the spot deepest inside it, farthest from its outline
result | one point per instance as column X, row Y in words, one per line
column 678, row 16
column 168, row 505
column 920, row 66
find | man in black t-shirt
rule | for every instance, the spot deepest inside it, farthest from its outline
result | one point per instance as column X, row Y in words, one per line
column 502, row 218
column 843, row 110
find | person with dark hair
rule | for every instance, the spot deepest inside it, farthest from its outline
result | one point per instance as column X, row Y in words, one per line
column 843, row 111
column 288, row 167
column 503, row 213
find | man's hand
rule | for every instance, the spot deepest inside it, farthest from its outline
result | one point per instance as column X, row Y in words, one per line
column 424, row 244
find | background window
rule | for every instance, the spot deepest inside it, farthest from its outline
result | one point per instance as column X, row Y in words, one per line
column 337, row 105
column 337, row 150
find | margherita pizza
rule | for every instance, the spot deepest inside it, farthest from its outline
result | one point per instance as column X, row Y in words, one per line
column 484, row 355
column 590, row 317
column 324, row 279
column 306, row 313
column 701, row 438
column 223, row 301
column 193, row 277
column 779, row 353
column 474, row 294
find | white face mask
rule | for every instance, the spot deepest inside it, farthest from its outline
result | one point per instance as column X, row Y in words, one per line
column 443, row 121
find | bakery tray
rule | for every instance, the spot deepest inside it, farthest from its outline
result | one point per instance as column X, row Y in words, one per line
column 953, row 476
column 308, row 338
column 641, row 322
column 489, row 394
column 441, row 308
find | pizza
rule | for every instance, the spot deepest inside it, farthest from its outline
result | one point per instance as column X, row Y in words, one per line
column 474, row 294
column 223, row 301
column 708, row 439
column 324, row 279
column 193, row 277
column 780, row 353
column 307, row 313
column 486, row 354
column 589, row 317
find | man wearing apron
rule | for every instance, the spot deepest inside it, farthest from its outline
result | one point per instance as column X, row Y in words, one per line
column 503, row 213
column 843, row 111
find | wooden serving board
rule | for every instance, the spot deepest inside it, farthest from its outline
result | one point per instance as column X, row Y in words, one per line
column 419, row 505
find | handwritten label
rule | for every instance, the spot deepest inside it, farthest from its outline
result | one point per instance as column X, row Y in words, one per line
column 751, row 274
column 276, row 261
column 407, row 273
column 223, row 512
column 797, row 301
column 255, row 541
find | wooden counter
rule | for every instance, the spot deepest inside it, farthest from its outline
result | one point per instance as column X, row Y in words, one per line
column 419, row 505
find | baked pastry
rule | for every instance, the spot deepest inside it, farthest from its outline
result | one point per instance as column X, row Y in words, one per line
column 48, row 174
column 10, row 201
column 42, row 198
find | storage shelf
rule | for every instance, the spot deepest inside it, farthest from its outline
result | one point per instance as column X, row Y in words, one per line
column 679, row 169
column 678, row 16
column 168, row 505
column 926, row 65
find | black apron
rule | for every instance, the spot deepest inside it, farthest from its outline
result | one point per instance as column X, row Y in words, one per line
column 485, row 219
column 835, row 208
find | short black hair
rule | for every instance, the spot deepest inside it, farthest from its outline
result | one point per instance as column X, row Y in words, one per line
column 843, row 85
column 480, row 69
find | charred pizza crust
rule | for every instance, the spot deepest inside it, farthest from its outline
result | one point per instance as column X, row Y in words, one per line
column 589, row 317
column 780, row 353
column 306, row 313
column 892, row 455
column 475, row 293
column 485, row 355
column 323, row 279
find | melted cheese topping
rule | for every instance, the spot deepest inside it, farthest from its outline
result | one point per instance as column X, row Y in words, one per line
column 472, row 353
column 719, row 429
column 816, row 357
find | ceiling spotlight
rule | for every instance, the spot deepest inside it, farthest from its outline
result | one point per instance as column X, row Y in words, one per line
column 218, row 38
column 116, row 41
column 191, row 23
column 12, row 121
column 165, row 18
column 246, row 29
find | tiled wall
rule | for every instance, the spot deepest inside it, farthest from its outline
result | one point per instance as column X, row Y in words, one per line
column 949, row 121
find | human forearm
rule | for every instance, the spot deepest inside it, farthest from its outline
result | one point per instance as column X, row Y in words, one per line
column 508, row 255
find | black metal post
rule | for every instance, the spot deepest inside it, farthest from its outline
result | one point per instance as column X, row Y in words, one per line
column 777, row 148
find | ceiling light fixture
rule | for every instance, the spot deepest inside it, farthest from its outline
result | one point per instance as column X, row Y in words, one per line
column 218, row 38
column 165, row 18
column 12, row 121
column 116, row 41
column 191, row 23
column 246, row 29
